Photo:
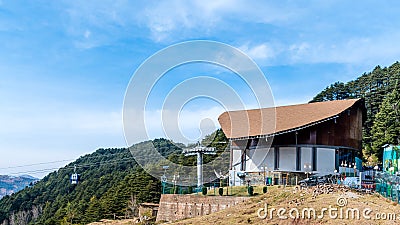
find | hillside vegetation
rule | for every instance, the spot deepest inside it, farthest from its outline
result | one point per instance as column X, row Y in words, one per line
column 111, row 182
column 379, row 89
column 112, row 185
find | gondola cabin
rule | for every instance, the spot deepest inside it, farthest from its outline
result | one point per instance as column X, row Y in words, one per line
column 74, row 178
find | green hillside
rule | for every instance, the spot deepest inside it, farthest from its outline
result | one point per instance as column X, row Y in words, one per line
column 112, row 184
column 382, row 123
column 110, row 179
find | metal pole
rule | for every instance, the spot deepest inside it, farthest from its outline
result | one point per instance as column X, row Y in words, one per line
column 214, row 187
column 265, row 177
column 234, row 179
column 199, row 169
column 231, row 189
column 227, row 187
column 210, row 183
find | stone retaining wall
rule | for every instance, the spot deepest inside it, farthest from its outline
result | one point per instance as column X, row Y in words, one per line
column 177, row 207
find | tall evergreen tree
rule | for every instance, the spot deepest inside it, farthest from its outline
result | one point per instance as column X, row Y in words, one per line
column 373, row 87
column 386, row 128
column 94, row 211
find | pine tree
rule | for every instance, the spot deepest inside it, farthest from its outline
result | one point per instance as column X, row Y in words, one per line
column 70, row 214
column 386, row 127
column 373, row 87
column 93, row 212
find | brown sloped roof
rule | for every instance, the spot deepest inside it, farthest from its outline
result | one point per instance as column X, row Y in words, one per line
column 268, row 121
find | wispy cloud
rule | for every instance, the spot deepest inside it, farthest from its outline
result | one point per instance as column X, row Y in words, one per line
column 185, row 126
column 46, row 137
column 105, row 22
column 87, row 33
column 258, row 52
column 357, row 50
column 74, row 121
column 176, row 19
column 64, row 65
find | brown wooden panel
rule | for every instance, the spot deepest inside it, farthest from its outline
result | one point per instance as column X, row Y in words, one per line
column 346, row 131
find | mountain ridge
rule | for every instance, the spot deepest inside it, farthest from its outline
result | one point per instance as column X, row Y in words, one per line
column 12, row 184
column 110, row 179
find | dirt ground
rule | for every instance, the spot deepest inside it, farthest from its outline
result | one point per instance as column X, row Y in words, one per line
column 337, row 206
column 372, row 208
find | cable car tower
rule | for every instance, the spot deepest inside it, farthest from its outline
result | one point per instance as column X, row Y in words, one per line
column 199, row 150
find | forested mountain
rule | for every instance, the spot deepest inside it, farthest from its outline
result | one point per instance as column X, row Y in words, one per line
column 110, row 181
column 12, row 184
column 111, row 185
column 374, row 87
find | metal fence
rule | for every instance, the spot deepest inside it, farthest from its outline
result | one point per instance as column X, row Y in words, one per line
column 388, row 186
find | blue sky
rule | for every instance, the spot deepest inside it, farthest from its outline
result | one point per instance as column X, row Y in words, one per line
column 65, row 65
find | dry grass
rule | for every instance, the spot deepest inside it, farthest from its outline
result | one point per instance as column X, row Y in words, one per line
column 236, row 191
column 246, row 213
column 115, row 222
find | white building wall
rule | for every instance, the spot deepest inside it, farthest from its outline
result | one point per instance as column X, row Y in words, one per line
column 236, row 159
column 325, row 161
column 269, row 160
column 253, row 160
column 287, row 158
column 306, row 157
column 259, row 158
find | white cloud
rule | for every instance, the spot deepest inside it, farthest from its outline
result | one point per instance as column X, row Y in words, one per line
column 108, row 20
column 37, row 137
column 261, row 51
column 186, row 125
column 297, row 51
column 176, row 18
column 304, row 29
column 356, row 50
column 87, row 34
column 72, row 122
column 293, row 100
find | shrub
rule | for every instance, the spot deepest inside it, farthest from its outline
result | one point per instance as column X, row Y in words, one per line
column 265, row 189
column 190, row 190
column 174, row 190
column 204, row 190
column 221, row 191
column 250, row 190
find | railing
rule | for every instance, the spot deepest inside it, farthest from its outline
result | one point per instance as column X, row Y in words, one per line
column 388, row 186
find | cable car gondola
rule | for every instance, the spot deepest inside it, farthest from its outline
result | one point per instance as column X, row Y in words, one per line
column 74, row 179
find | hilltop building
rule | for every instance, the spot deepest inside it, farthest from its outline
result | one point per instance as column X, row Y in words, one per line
column 287, row 142
column 391, row 159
